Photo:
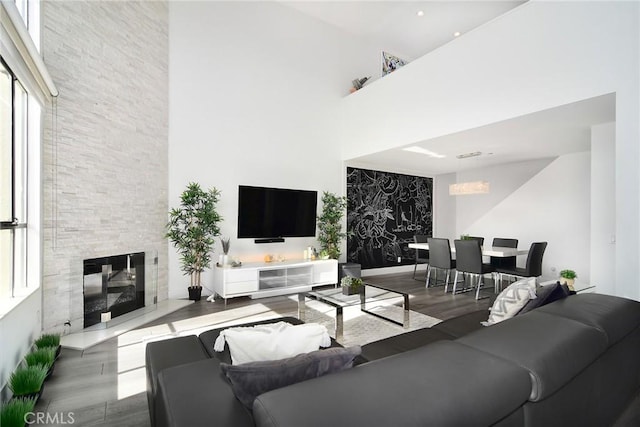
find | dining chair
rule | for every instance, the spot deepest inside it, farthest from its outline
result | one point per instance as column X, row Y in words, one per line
column 469, row 261
column 504, row 262
column 480, row 239
column 440, row 258
column 533, row 267
column 422, row 255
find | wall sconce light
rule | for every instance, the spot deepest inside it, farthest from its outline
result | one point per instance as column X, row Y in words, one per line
column 465, row 188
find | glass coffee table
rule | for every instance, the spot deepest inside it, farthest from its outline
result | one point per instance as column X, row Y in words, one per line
column 372, row 294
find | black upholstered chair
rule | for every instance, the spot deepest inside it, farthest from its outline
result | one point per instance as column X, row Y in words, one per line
column 422, row 255
column 479, row 239
column 504, row 262
column 440, row 259
column 469, row 261
column 533, row 267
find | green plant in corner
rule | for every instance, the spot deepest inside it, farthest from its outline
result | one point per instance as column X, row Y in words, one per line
column 13, row 412
column 48, row 340
column 329, row 224
column 568, row 274
column 192, row 229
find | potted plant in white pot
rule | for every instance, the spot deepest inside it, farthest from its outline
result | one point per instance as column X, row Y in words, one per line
column 568, row 277
column 330, row 224
column 192, row 229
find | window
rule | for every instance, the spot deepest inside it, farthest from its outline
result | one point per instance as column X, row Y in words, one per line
column 13, row 184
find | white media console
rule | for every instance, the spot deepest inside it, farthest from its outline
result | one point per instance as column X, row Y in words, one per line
column 262, row 279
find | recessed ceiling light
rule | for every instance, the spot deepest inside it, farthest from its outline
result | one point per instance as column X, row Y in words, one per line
column 420, row 150
column 467, row 155
column 457, row 34
column 420, row 13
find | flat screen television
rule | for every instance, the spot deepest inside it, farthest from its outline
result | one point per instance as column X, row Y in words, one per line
column 265, row 213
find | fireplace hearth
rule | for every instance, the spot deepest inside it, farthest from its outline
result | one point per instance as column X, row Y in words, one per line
column 113, row 286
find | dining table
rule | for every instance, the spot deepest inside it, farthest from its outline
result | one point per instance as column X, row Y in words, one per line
column 494, row 251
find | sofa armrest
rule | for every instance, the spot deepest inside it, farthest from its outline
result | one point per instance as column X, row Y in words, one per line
column 197, row 394
column 160, row 355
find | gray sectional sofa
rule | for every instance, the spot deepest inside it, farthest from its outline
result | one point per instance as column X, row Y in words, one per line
column 574, row 362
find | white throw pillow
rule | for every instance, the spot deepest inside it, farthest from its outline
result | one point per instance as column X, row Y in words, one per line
column 510, row 301
column 272, row 341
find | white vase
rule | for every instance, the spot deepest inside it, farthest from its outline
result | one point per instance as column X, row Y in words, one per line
column 225, row 259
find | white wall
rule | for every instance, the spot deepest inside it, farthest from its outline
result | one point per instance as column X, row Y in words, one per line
column 514, row 66
column 552, row 206
column 444, row 207
column 603, row 207
column 503, row 180
column 254, row 95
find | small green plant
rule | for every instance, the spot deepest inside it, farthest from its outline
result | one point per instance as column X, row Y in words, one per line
column 13, row 413
column 465, row 237
column 351, row 282
column 329, row 224
column 48, row 340
column 27, row 380
column 44, row 356
column 568, row 274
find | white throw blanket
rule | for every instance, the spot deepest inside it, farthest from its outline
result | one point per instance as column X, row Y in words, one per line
column 272, row 341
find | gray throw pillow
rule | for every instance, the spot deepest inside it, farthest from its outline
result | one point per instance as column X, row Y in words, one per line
column 249, row 380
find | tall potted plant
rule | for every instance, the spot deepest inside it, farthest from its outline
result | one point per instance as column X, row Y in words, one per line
column 192, row 229
column 330, row 224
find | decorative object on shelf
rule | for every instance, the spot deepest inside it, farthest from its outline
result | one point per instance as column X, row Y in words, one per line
column 192, row 229
column 14, row 412
column 27, row 382
column 330, row 224
column 268, row 258
column 390, row 63
column 358, row 83
column 351, row 285
column 568, row 277
column 464, row 237
column 226, row 244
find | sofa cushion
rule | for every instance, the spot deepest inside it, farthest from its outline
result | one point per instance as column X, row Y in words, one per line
column 403, row 342
column 552, row 348
column 511, row 300
column 546, row 295
column 250, row 380
column 441, row 384
column 616, row 317
column 209, row 337
column 464, row 324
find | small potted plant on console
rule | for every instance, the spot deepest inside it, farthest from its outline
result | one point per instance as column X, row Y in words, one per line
column 351, row 285
column 568, row 277
column 192, row 229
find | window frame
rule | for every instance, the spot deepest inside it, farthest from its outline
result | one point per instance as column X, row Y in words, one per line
column 13, row 288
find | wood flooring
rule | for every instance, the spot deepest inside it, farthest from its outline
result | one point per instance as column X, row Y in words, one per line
column 105, row 385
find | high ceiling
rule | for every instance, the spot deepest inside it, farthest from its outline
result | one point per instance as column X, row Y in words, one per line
column 548, row 133
column 395, row 25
